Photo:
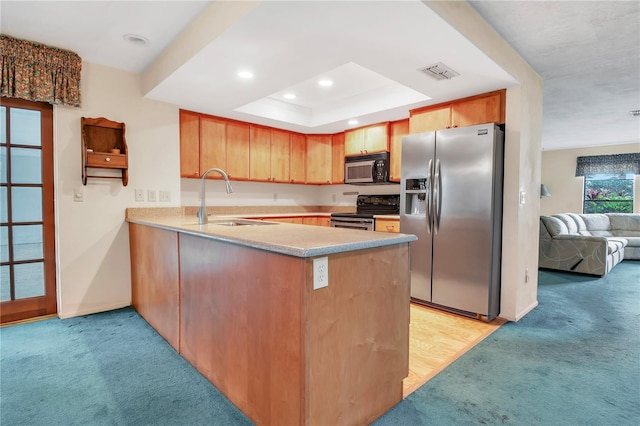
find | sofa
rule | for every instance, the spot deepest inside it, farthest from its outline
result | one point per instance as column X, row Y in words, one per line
column 588, row 243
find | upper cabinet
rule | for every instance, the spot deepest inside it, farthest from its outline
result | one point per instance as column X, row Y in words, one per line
column 237, row 149
column 265, row 154
column 269, row 154
column 189, row 144
column 337, row 158
column 319, row 159
column 485, row 108
column 298, row 159
column 366, row 140
column 397, row 130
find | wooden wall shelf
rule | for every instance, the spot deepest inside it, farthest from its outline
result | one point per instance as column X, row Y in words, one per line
column 104, row 147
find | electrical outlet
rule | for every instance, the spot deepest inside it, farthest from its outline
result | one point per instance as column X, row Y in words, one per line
column 139, row 194
column 151, row 195
column 526, row 275
column 165, row 196
column 320, row 272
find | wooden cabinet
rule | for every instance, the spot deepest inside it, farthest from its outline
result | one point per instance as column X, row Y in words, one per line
column 387, row 225
column 104, row 147
column 213, row 145
column 207, row 141
column 319, row 159
column 337, row 158
column 298, row 158
column 189, row 144
column 365, row 140
column 237, row 149
column 260, row 153
column 485, row 108
column 324, row 221
column 280, row 158
column 397, row 130
column 269, row 154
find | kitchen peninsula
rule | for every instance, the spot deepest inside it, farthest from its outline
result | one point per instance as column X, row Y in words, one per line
column 236, row 298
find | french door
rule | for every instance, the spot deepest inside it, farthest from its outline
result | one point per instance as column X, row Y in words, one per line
column 27, row 233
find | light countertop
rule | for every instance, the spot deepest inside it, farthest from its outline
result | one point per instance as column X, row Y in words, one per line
column 285, row 238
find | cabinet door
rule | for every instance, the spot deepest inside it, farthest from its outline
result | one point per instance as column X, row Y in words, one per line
column 280, row 155
column 376, row 138
column 397, row 129
column 189, row 144
column 298, row 163
column 237, row 150
column 433, row 119
column 354, row 142
column 310, row 220
column 212, row 144
column 486, row 109
column 260, row 154
column 319, row 159
column 337, row 158
column 324, row 221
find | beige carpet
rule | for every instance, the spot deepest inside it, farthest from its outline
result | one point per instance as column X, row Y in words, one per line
column 437, row 338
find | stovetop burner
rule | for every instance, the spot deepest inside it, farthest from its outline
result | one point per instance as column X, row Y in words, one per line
column 369, row 205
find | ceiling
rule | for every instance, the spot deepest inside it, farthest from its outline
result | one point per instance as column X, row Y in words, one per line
column 588, row 54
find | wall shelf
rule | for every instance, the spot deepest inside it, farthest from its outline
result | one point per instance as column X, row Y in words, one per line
column 104, row 147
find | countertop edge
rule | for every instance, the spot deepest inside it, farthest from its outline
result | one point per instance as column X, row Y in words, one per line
column 290, row 250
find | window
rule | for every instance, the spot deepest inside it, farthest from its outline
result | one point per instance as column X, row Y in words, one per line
column 608, row 193
column 608, row 182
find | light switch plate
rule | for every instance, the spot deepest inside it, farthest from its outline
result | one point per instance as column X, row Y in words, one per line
column 139, row 194
column 151, row 195
column 165, row 196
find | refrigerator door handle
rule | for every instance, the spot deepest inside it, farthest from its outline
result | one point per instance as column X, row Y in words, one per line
column 429, row 198
column 437, row 197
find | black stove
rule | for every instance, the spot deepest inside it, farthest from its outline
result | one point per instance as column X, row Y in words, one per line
column 369, row 205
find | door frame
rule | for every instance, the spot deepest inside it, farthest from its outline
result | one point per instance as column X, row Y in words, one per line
column 16, row 310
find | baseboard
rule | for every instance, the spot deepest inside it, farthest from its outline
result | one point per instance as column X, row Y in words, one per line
column 531, row 307
column 93, row 310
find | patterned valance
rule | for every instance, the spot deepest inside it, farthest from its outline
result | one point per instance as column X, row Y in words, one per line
column 39, row 73
column 617, row 163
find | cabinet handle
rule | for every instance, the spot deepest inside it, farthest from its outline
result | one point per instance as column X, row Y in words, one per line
column 455, row 125
column 107, row 159
column 447, row 127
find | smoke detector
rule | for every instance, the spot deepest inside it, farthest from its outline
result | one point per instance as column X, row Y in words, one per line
column 439, row 71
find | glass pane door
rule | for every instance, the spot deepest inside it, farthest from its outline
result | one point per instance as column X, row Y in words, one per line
column 27, row 267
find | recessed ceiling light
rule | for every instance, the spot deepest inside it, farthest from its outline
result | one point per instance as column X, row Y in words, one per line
column 245, row 74
column 353, row 122
column 289, row 96
column 136, row 39
column 325, row 83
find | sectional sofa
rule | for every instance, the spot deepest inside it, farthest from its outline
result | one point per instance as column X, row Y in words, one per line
column 588, row 243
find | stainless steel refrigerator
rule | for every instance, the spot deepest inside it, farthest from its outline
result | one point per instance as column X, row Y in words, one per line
column 451, row 198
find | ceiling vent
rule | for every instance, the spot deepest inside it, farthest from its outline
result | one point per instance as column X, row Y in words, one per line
column 439, row 71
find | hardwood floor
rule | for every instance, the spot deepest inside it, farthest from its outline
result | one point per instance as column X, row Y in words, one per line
column 437, row 338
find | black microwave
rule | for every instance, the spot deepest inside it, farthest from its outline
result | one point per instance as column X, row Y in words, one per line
column 367, row 169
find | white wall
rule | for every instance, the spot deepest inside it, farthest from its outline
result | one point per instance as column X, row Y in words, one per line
column 277, row 194
column 92, row 238
column 559, row 175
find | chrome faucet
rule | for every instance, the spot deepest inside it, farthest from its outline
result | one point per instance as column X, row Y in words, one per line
column 202, row 213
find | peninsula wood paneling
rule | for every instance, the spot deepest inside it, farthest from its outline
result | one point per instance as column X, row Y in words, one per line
column 242, row 326
column 355, row 328
column 154, row 279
